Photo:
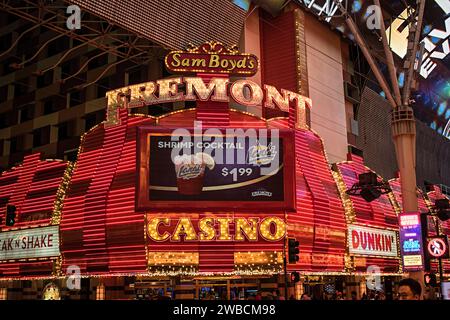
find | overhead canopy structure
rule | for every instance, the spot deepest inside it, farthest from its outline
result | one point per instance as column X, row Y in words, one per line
column 134, row 31
column 172, row 24
column 97, row 32
column 432, row 94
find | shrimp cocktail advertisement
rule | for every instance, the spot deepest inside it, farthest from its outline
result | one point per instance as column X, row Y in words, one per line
column 214, row 167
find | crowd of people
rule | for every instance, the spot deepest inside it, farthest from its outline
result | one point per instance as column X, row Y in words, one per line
column 408, row 289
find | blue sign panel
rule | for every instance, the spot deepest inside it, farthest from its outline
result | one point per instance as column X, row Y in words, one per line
column 411, row 241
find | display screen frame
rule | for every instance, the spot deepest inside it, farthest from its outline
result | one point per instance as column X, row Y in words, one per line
column 143, row 203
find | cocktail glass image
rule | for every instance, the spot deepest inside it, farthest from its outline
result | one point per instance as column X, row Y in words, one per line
column 190, row 172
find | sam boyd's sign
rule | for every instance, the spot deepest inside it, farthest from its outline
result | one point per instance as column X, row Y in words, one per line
column 29, row 243
column 212, row 57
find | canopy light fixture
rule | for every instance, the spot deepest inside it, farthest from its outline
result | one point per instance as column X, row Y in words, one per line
column 368, row 187
column 442, row 208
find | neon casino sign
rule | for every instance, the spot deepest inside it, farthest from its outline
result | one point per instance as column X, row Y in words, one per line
column 245, row 229
column 242, row 91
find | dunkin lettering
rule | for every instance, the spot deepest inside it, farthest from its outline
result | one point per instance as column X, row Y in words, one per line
column 372, row 241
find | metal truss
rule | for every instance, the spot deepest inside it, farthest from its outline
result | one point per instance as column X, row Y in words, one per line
column 95, row 32
column 393, row 94
column 446, row 132
column 326, row 9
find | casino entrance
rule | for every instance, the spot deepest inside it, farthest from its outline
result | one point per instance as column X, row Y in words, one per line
column 225, row 289
column 152, row 290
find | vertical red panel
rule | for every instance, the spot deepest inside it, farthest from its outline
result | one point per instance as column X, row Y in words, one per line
column 378, row 213
column 32, row 187
column 100, row 229
column 212, row 113
column 278, row 55
column 27, row 171
column 319, row 221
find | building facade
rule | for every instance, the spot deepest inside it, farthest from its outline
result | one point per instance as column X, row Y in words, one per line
column 110, row 247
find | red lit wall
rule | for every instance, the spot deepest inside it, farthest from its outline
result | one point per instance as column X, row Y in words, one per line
column 100, row 229
column 214, row 256
column 379, row 213
column 32, row 187
column 278, row 57
column 102, row 232
column 421, row 200
column 319, row 223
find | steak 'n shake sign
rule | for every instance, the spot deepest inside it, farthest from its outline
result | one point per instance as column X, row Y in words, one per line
column 29, row 243
column 372, row 241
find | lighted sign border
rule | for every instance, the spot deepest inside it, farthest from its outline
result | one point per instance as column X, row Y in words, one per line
column 142, row 203
column 421, row 254
column 232, row 51
column 54, row 252
column 368, row 255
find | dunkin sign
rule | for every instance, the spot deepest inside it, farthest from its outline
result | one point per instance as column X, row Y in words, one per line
column 369, row 241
